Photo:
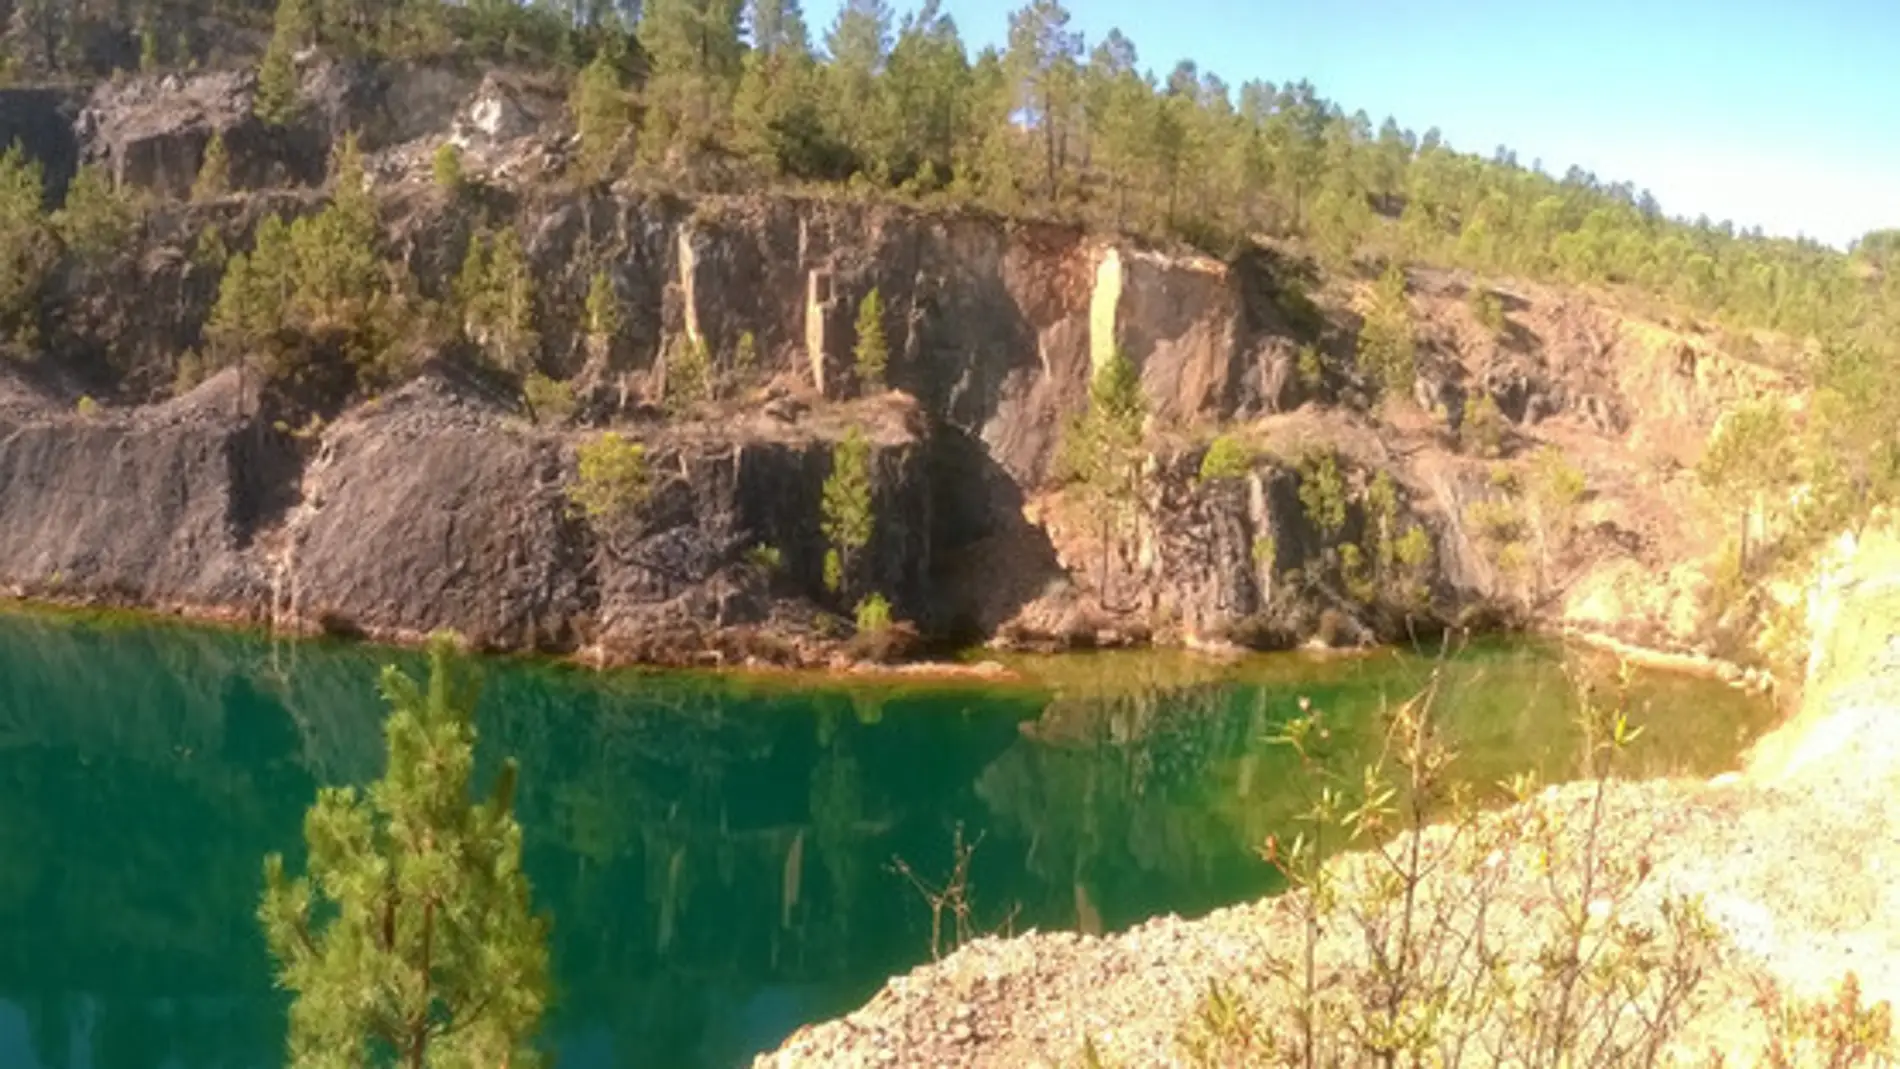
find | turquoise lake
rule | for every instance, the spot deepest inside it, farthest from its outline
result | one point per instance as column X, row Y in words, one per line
column 716, row 852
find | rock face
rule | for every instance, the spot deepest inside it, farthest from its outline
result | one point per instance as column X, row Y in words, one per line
column 435, row 508
column 161, row 510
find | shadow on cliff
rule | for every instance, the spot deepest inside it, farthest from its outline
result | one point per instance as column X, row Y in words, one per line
column 994, row 560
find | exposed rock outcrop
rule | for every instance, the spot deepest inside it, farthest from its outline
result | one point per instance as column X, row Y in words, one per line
column 994, row 329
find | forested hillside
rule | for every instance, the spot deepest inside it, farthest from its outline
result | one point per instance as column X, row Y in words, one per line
column 1054, row 124
column 1407, row 249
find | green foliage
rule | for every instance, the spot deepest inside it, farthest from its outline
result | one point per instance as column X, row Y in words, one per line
column 496, row 291
column 846, row 512
column 1486, row 309
column 1102, row 449
column 1312, row 368
column 214, row 172
column 1482, row 432
column 873, row 614
column 148, row 44
column 27, row 249
column 97, row 219
column 446, row 166
column 766, row 558
column 411, row 934
column 1323, row 492
column 602, row 117
column 612, row 480
column 1386, row 346
column 603, row 308
column 1409, row 953
column 690, row 376
column 549, row 400
column 745, row 358
column 278, row 90
column 1227, row 458
column 872, row 354
column 86, row 408
column 1750, row 459
column 1265, row 550
column 834, row 571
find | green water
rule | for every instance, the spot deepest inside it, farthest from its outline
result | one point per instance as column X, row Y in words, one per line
column 715, row 852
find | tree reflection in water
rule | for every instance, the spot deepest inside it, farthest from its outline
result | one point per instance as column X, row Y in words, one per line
column 715, row 851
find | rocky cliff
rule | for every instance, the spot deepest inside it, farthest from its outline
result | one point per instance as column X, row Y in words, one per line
column 439, row 504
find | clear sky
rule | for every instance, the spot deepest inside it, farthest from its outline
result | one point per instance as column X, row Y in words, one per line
column 1778, row 113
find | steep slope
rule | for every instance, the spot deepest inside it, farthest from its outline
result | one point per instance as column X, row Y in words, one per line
column 440, row 505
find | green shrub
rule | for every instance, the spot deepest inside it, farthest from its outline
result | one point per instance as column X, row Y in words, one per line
column 874, row 614
column 1227, row 457
column 689, row 374
column 612, row 479
column 87, row 408
column 1411, row 946
column 549, row 400
column 446, row 166
column 1323, row 492
column 766, row 558
column 1482, row 432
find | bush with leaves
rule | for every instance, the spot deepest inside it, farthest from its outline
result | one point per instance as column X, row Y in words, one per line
column 691, row 379
column 1482, row 431
column 873, row 614
column 1323, row 492
column 1420, row 949
column 446, row 167
column 1228, row 458
column 612, row 480
column 412, row 938
column 549, row 400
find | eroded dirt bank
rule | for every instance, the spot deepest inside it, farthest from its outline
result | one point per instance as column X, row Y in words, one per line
column 1792, row 859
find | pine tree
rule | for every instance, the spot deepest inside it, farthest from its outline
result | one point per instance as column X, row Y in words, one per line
column 411, row 936
column 214, row 172
column 602, row 119
column 694, row 56
column 1102, row 450
column 845, row 509
column 97, row 218
column 1042, row 61
column 1386, row 345
column 872, row 353
column 26, row 245
column 277, row 88
column 856, row 114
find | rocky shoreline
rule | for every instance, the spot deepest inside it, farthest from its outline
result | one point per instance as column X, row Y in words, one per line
column 1790, row 859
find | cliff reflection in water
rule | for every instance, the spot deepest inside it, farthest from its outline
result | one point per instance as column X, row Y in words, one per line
column 715, row 852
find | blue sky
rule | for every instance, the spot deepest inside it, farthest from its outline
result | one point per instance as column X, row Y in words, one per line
column 1778, row 113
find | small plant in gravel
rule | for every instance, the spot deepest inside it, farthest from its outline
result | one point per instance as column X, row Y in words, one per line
column 952, row 900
